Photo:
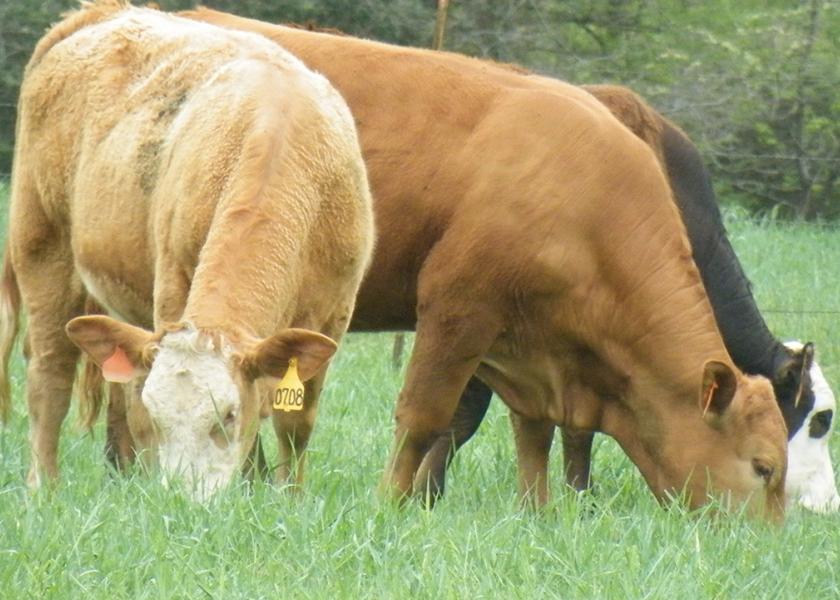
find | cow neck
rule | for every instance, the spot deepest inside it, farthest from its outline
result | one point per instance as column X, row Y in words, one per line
column 246, row 276
column 654, row 310
column 674, row 344
column 748, row 339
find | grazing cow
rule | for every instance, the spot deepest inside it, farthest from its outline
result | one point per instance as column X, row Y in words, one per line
column 804, row 396
column 532, row 238
column 208, row 189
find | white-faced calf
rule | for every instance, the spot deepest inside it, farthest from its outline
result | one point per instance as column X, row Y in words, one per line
column 207, row 190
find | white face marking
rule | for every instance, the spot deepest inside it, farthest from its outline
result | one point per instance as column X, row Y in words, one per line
column 810, row 476
column 194, row 402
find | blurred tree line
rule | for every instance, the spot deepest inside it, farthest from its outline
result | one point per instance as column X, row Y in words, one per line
column 753, row 82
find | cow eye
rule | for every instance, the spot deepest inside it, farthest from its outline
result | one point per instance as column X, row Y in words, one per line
column 763, row 470
column 820, row 423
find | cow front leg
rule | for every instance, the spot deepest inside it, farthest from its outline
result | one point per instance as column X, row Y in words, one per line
column 293, row 430
column 533, row 439
column 472, row 406
column 141, row 429
column 577, row 458
column 447, row 350
column 119, row 443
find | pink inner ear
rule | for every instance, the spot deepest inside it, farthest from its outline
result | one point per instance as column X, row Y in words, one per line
column 117, row 368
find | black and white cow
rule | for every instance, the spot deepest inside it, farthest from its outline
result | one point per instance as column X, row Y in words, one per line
column 805, row 398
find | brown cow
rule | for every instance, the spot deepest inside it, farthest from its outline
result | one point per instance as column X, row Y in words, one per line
column 206, row 187
column 804, row 397
column 502, row 240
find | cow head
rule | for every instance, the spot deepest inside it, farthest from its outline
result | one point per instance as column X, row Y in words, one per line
column 731, row 442
column 808, row 406
column 200, row 388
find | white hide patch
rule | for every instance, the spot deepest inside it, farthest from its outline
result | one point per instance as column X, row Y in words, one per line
column 810, row 476
column 189, row 391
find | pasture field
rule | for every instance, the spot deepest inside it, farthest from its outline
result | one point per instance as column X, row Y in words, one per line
column 104, row 536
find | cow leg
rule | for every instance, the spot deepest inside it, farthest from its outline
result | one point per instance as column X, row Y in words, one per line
column 171, row 290
column 119, row 444
column 141, row 430
column 577, row 458
column 447, row 350
column 53, row 295
column 472, row 406
column 293, row 430
column 533, row 439
column 130, row 433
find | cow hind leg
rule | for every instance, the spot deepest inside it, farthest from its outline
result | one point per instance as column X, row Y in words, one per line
column 533, row 439
column 472, row 406
column 447, row 350
column 577, row 458
column 53, row 295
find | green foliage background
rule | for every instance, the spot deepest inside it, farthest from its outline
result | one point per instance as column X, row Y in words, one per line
column 752, row 81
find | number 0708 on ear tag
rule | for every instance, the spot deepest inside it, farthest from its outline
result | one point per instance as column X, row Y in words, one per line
column 288, row 395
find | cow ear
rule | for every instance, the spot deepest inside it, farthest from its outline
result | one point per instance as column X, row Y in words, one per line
column 271, row 356
column 807, row 357
column 717, row 390
column 797, row 363
column 122, row 351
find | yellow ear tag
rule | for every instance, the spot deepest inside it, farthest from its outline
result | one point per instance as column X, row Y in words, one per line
column 288, row 395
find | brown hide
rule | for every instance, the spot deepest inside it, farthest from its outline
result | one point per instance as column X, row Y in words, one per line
column 634, row 113
column 181, row 173
column 646, row 124
column 502, row 242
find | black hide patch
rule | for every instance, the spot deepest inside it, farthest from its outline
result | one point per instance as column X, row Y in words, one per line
column 786, row 392
column 745, row 333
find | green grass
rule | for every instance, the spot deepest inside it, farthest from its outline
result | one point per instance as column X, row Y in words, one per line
column 100, row 536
